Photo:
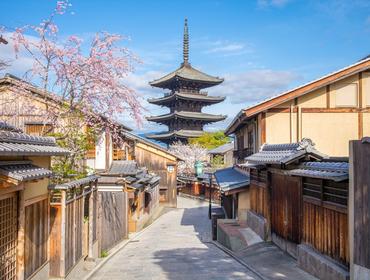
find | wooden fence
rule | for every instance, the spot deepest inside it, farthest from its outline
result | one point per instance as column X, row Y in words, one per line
column 113, row 218
column 325, row 219
column 259, row 195
column 360, row 182
column 36, row 236
column 68, row 230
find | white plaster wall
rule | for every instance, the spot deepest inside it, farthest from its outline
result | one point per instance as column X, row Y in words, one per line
column 100, row 152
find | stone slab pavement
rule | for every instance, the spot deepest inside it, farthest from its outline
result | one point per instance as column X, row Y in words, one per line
column 176, row 246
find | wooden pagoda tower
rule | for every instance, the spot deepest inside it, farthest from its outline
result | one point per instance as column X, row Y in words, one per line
column 185, row 100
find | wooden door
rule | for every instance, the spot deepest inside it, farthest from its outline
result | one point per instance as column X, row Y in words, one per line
column 286, row 207
column 8, row 236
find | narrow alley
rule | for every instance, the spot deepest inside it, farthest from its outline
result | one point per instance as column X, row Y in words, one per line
column 182, row 251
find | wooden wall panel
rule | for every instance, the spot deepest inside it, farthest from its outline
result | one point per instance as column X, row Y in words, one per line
column 286, row 207
column 158, row 164
column 114, row 224
column 327, row 231
column 361, row 210
column 36, row 236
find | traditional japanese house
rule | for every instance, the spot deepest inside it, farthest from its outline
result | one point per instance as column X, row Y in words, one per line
column 129, row 199
column 158, row 160
column 24, row 203
column 222, row 155
column 185, row 100
column 198, row 186
column 338, row 100
column 299, row 200
column 73, row 225
column 234, row 188
column 15, row 92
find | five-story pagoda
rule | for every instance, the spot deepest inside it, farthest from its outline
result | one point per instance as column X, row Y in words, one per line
column 185, row 100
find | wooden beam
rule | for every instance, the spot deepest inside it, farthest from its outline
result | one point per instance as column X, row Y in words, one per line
column 360, row 125
column 327, row 91
column 360, row 89
column 335, row 110
column 360, row 114
column 21, row 235
column 263, row 128
column 63, row 236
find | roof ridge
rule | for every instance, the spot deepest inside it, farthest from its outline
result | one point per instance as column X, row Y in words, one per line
column 15, row 137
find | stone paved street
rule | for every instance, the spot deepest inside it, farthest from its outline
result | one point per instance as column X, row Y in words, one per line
column 175, row 247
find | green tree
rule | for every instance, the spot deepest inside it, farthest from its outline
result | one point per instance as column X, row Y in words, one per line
column 211, row 140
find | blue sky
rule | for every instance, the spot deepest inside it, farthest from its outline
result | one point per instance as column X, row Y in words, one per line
column 260, row 47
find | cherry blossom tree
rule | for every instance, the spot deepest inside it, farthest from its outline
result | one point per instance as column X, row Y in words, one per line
column 83, row 82
column 189, row 153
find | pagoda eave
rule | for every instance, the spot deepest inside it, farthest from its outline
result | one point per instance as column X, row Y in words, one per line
column 176, row 134
column 195, row 116
column 204, row 99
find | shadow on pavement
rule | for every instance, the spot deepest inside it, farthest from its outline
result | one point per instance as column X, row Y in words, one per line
column 199, row 263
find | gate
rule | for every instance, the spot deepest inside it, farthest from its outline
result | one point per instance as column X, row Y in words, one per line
column 286, row 207
column 8, row 236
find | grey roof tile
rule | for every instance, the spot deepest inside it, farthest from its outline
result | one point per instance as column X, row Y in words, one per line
column 222, row 149
column 123, row 168
column 284, row 153
column 13, row 144
column 186, row 72
column 230, row 178
column 23, row 171
column 75, row 183
column 336, row 171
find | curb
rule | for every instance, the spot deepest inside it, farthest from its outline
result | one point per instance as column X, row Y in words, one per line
column 117, row 248
column 243, row 263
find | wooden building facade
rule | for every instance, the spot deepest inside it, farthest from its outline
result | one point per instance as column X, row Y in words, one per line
column 339, row 99
column 24, row 203
column 299, row 200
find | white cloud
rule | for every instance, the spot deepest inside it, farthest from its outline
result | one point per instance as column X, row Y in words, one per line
column 227, row 48
column 17, row 66
column 253, row 86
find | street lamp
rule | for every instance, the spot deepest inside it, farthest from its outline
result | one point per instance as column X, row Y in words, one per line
column 210, row 174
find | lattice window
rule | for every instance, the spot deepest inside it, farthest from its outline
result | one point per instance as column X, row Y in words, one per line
column 326, row 191
column 118, row 153
column 8, row 237
column 38, row 129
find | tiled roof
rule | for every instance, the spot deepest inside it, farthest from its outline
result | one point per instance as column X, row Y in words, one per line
column 336, row 171
column 284, row 153
column 176, row 133
column 14, row 144
column 7, row 127
column 186, row 96
column 23, row 171
column 186, row 72
column 230, row 179
column 123, row 168
column 222, row 149
column 75, row 183
column 127, row 171
column 187, row 115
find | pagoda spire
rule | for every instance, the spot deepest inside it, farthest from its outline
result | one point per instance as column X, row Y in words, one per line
column 186, row 43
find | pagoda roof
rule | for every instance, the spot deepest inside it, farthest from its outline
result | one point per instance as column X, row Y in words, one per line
column 176, row 134
column 187, row 96
column 187, row 115
column 186, row 73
